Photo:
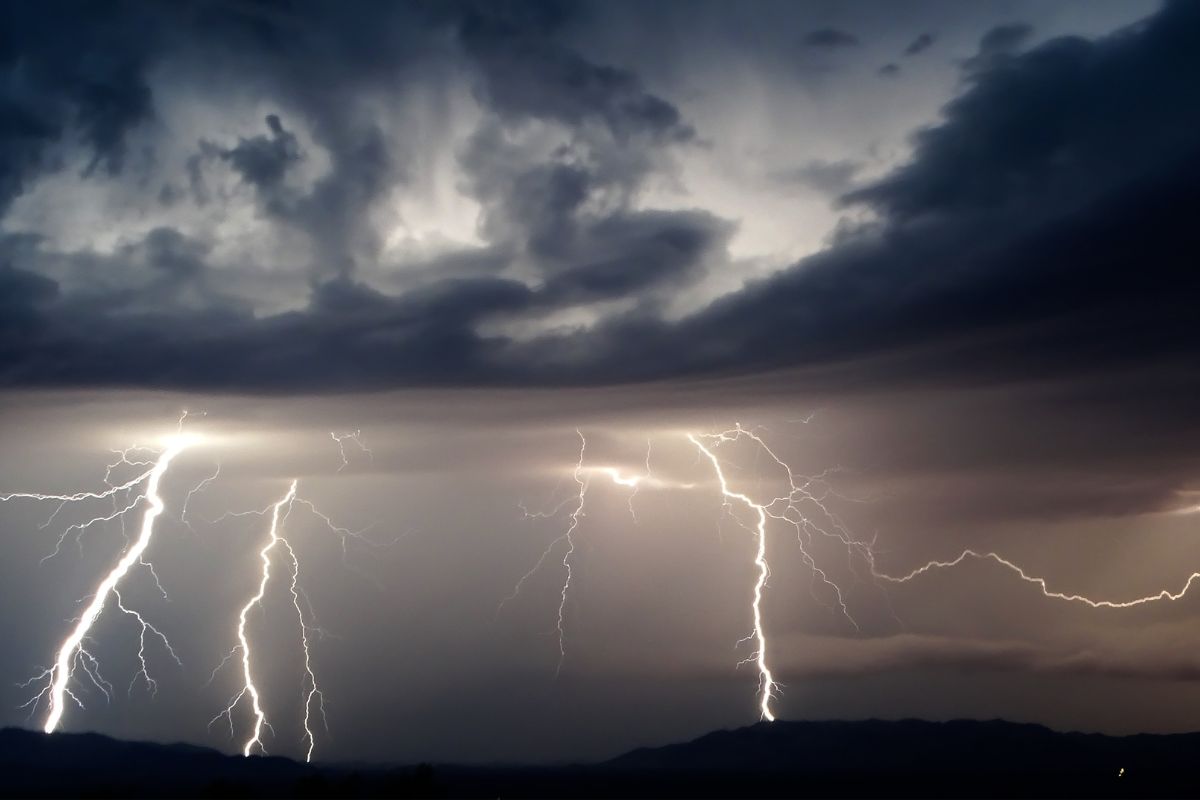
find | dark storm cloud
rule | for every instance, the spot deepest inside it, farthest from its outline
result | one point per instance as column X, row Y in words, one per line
column 1043, row 227
column 263, row 160
column 889, row 70
column 1013, row 238
column 22, row 294
column 997, row 44
column 526, row 74
column 634, row 252
column 830, row 37
column 84, row 76
column 919, row 44
column 833, row 178
column 1004, row 38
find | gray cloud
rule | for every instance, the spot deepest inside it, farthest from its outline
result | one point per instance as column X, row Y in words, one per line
column 920, row 44
column 263, row 160
column 998, row 44
column 842, row 657
column 833, row 178
column 830, row 37
column 1001, row 250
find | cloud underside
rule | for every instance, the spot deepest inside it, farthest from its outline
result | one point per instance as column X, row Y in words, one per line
column 1043, row 227
column 830, row 657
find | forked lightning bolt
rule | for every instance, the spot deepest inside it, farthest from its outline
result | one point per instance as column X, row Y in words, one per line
column 313, row 697
column 350, row 436
column 582, row 477
column 578, row 501
column 72, row 652
column 1041, row 583
column 766, row 681
column 73, row 661
column 801, row 491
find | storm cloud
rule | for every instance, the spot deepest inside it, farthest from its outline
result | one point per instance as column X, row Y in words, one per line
column 1041, row 225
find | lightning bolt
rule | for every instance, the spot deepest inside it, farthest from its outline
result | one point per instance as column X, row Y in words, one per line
column 113, row 491
column 582, row 477
column 72, row 651
column 1041, row 583
column 199, row 487
column 766, row 681
column 801, row 491
column 350, row 436
column 566, row 561
column 75, row 662
column 313, row 697
column 619, row 478
column 568, row 536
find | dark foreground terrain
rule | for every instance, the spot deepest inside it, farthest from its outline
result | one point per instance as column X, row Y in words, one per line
column 781, row 759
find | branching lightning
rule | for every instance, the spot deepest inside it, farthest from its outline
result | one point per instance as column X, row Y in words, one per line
column 199, row 487
column 801, row 491
column 75, row 666
column 1041, row 583
column 628, row 481
column 577, row 501
column 314, row 699
column 811, row 491
column 766, row 681
column 354, row 436
column 801, row 504
column 73, row 652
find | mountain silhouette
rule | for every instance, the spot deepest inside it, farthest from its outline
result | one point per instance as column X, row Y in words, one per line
column 873, row 758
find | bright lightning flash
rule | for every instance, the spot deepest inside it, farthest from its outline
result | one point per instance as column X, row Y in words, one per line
column 1041, row 583
column 802, row 492
column 74, row 658
column 810, row 492
column 73, row 652
column 313, row 696
column 578, row 500
column 582, row 476
column 766, row 681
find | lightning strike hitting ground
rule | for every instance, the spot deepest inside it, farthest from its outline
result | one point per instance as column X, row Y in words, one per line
column 74, row 661
column 766, row 681
column 72, row 652
column 809, row 491
column 1041, row 583
column 279, row 513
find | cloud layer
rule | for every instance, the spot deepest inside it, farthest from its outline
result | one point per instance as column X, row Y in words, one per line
column 1041, row 227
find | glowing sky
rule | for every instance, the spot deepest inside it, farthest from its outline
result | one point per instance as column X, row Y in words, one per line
column 960, row 236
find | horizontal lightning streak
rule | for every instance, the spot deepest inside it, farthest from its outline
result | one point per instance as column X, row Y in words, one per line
column 1041, row 583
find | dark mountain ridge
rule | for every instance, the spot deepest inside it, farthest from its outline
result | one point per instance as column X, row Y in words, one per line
column 873, row 758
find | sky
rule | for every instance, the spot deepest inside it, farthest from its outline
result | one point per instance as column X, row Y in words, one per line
column 939, row 256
